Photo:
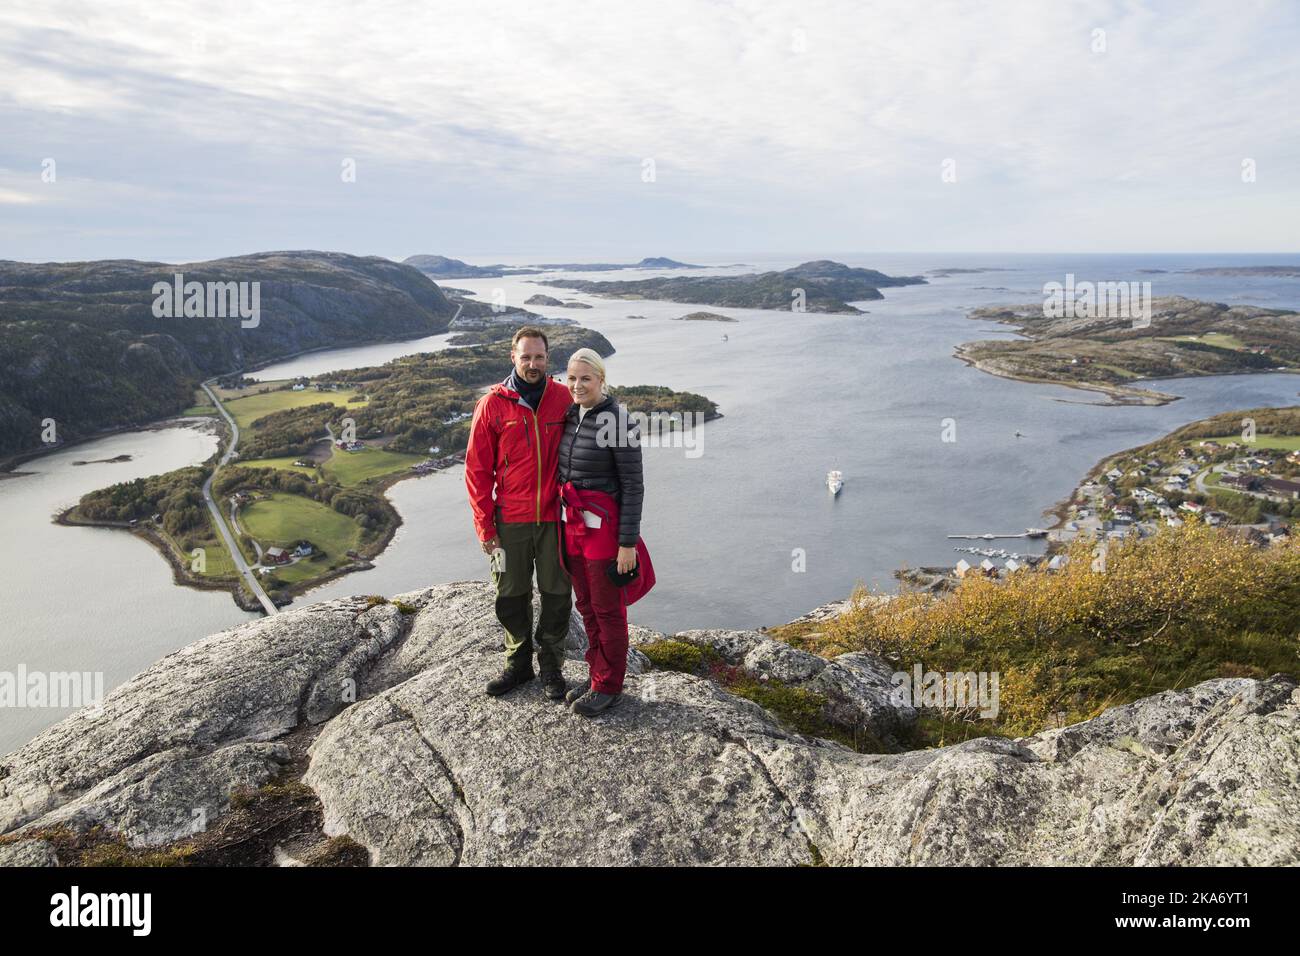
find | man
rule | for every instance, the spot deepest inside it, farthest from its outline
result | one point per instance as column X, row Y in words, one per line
column 514, row 446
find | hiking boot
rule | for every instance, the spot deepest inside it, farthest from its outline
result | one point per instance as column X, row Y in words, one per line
column 594, row 702
column 553, row 685
column 510, row 678
column 577, row 692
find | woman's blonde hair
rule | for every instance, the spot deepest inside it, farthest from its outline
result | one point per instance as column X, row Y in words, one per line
column 592, row 358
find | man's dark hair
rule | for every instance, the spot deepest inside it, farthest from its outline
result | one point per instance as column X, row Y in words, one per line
column 529, row 332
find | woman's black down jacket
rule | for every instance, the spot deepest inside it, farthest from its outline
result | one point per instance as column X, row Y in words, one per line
column 603, row 453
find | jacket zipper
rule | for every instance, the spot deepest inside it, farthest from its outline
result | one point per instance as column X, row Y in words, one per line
column 538, row 435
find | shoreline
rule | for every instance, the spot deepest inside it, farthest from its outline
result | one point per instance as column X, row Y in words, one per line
column 183, row 577
column 330, row 348
column 1116, row 395
column 9, row 465
column 237, row 586
column 1142, row 397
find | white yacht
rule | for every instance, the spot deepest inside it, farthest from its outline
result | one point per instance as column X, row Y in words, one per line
column 835, row 481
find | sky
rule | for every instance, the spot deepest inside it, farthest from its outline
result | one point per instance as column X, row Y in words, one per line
column 566, row 131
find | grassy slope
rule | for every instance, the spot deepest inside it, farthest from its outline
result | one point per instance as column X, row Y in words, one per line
column 285, row 519
column 285, row 464
column 1287, row 442
column 218, row 565
column 353, row 467
column 349, row 468
column 1210, row 338
column 249, row 409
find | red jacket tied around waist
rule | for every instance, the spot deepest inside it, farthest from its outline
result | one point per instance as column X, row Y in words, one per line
column 591, row 530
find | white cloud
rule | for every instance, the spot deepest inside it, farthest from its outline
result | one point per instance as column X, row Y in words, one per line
column 14, row 197
column 820, row 101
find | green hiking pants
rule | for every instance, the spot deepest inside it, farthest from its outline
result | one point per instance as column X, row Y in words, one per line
column 530, row 546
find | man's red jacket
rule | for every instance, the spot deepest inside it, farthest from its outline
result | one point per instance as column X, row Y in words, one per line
column 516, row 454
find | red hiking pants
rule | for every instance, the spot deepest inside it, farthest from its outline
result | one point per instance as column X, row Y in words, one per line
column 605, row 616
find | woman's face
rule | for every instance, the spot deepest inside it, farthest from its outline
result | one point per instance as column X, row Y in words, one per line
column 584, row 383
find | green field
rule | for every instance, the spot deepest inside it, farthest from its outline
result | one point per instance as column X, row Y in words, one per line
column 1287, row 442
column 201, row 410
column 249, row 409
column 1219, row 339
column 285, row 463
column 353, row 467
column 305, row 570
column 347, row 467
column 283, row 520
column 1121, row 372
column 217, row 560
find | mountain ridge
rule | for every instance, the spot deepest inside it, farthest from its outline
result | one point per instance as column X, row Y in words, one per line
column 79, row 343
column 820, row 285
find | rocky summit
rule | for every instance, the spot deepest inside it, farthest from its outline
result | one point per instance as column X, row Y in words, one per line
column 378, row 708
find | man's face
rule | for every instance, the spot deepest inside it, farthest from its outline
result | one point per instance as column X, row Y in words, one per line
column 529, row 355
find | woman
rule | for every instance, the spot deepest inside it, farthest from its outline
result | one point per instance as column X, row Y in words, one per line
column 601, row 492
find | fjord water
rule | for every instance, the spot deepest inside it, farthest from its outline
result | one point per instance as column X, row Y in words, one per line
column 800, row 394
column 93, row 599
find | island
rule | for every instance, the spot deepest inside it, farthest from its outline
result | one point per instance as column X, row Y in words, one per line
column 660, row 401
column 1185, row 337
column 1283, row 272
column 651, row 262
column 441, row 267
column 704, row 317
column 948, row 273
column 820, row 286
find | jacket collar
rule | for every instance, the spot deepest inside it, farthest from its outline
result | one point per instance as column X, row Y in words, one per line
column 504, row 390
column 600, row 406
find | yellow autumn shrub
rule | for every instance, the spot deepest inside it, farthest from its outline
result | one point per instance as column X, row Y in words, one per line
column 1185, row 605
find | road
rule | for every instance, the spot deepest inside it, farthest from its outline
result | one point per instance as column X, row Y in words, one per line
column 234, row 523
column 1205, row 490
column 254, row 585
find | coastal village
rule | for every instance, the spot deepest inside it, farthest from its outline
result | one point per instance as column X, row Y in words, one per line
column 1250, row 488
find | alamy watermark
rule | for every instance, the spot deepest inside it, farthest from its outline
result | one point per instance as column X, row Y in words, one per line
column 654, row 430
column 24, row 688
column 75, row 908
column 954, row 690
column 1098, row 300
column 208, row 300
